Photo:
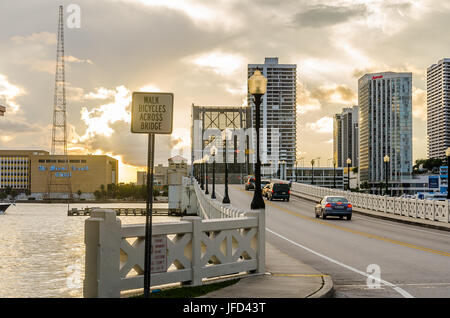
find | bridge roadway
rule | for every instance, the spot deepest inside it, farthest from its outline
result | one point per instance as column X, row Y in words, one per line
column 413, row 261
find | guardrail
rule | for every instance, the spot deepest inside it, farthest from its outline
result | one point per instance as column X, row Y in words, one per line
column 186, row 252
column 413, row 208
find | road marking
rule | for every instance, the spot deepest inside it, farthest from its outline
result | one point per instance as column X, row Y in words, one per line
column 372, row 236
column 401, row 291
column 300, row 275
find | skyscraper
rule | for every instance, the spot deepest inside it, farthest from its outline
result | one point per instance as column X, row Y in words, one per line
column 385, row 127
column 278, row 110
column 346, row 137
column 438, row 108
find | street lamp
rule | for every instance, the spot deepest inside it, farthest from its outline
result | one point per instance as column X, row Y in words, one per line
column 257, row 85
column 296, row 166
column 312, row 171
column 213, row 154
column 386, row 160
column 202, row 173
column 349, row 162
column 227, row 135
column 206, row 159
column 334, row 173
column 447, row 153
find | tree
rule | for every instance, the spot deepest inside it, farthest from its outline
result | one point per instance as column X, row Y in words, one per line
column 427, row 164
column 79, row 193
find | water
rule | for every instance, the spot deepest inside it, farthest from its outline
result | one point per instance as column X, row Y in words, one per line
column 42, row 249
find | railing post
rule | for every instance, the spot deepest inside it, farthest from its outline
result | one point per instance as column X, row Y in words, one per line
column 196, row 249
column 102, row 264
column 261, row 237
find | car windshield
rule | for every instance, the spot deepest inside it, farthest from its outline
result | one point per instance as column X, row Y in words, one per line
column 264, row 182
column 337, row 199
column 281, row 186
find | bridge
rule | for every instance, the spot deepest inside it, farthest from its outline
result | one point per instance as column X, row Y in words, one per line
column 412, row 258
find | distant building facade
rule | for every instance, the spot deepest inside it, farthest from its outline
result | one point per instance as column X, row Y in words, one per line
column 323, row 177
column 2, row 110
column 346, row 137
column 385, row 126
column 438, row 108
column 161, row 173
column 278, row 110
column 29, row 170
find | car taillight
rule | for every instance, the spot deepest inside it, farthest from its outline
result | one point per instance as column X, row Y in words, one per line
column 272, row 191
column 349, row 206
column 328, row 205
column 289, row 191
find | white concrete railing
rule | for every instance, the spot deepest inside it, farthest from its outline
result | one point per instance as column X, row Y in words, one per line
column 413, row 208
column 214, row 209
column 190, row 250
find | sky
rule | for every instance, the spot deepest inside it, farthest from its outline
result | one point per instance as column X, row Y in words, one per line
column 199, row 51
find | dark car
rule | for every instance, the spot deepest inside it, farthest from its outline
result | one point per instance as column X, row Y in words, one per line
column 278, row 191
column 334, row 206
column 250, row 184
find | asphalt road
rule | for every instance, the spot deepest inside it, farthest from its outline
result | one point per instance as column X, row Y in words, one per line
column 412, row 261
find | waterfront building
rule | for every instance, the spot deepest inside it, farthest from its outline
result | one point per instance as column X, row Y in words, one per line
column 346, row 137
column 323, row 176
column 438, row 108
column 278, row 111
column 28, row 171
column 385, row 126
column 161, row 173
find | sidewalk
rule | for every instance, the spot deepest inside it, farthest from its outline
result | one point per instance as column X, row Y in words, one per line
column 286, row 277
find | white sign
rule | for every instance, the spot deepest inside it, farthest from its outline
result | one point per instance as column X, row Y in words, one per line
column 159, row 254
column 152, row 113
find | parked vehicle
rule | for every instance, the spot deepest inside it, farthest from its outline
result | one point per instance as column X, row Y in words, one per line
column 250, row 184
column 264, row 183
column 265, row 190
column 334, row 206
column 278, row 191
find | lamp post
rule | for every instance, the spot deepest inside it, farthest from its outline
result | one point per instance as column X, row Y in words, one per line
column 296, row 166
column 349, row 162
column 312, row 171
column 202, row 174
column 447, row 154
column 213, row 154
column 386, row 165
column 334, row 173
column 257, row 85
column 226, row 135
column 206, row 173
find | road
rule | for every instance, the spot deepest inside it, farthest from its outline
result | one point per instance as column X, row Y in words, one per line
column 412, row 261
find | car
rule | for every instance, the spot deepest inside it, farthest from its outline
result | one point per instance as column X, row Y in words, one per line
column 250, row 184
column 264, row 183
column 278, row 190
column 334, row 206
column 265, row 190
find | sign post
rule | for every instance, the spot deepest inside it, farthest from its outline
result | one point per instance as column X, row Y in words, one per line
column 151, row 113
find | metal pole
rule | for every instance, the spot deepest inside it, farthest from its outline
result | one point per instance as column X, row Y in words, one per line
column 387, row 180
column 334, row 175
column 448, row 166
column 202, row 175
column 213, row 194
column 206, row 177
column 226, row 198
column 148, row 215
column 348, row 176
column 257, row 202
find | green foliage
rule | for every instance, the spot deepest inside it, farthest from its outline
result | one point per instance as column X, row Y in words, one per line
column 427, row 164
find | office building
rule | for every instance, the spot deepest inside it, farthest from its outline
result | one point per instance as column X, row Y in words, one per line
column 438, row 108
column 346, row 137
column 28, row 171
column 323, row 177
column 385, row 126
column 2, row 110
column 278, row 112
column 161, row 173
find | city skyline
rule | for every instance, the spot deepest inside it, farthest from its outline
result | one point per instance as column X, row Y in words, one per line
column 205, row 65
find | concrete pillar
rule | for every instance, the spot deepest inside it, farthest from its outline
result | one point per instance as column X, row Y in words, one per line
column 196, row 249
column 102, row 239
column 261, row 237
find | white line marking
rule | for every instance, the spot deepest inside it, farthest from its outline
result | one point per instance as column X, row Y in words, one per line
column 401, row 291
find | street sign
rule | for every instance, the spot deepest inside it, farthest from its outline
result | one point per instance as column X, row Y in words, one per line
column 152, row 113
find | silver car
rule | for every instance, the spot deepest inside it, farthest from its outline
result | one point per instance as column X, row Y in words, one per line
column 334, row 206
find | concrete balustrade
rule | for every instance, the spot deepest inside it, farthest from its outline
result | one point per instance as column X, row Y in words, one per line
column 437, row 211
column 222, row 240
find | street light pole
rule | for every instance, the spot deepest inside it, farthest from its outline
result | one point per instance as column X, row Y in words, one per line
column 257, row 85
column 386, row 164
column 312, row 171
column 206, row 173
column 213, row 154
column 349, row 162
column 202, row 174
column 334, row 173
column 226, row 198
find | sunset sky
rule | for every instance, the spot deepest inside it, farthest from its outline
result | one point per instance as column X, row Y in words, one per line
column 199, row 50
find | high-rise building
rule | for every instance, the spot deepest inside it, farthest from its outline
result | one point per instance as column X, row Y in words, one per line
column 385, row 126
column 278, row 111
column 438, row 108
column 346, row 137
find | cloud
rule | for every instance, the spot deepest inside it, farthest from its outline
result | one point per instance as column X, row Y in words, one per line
column 322, row 125
column 305, row 102
column 9, row 92
column 419, row 104
column 337, row 93
column 319, row 16
column 45, row 38
column 218, row 62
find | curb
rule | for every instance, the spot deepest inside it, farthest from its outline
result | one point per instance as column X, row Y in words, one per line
column 327, row 289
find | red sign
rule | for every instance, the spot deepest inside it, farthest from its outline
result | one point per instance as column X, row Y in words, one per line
column 377, row 77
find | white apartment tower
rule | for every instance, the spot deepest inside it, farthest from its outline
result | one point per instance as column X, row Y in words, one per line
column 438, row 108
column 385, row 126
column 278, row 110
